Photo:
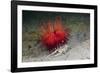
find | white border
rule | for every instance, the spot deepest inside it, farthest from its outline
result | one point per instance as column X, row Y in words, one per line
column 53, row 63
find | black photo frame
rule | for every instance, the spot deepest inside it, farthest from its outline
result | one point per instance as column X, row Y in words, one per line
column 14, row 36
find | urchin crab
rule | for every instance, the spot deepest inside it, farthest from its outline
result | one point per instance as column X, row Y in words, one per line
column 54, row 35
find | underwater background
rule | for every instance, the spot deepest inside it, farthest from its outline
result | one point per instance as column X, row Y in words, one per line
column 79, row 40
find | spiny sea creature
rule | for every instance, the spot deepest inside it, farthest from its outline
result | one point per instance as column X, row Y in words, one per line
column 54, row 35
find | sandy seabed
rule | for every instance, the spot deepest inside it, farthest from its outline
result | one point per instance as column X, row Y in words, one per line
column 73, row 50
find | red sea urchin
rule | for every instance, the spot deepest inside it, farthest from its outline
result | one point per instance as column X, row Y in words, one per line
column 54, row 35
